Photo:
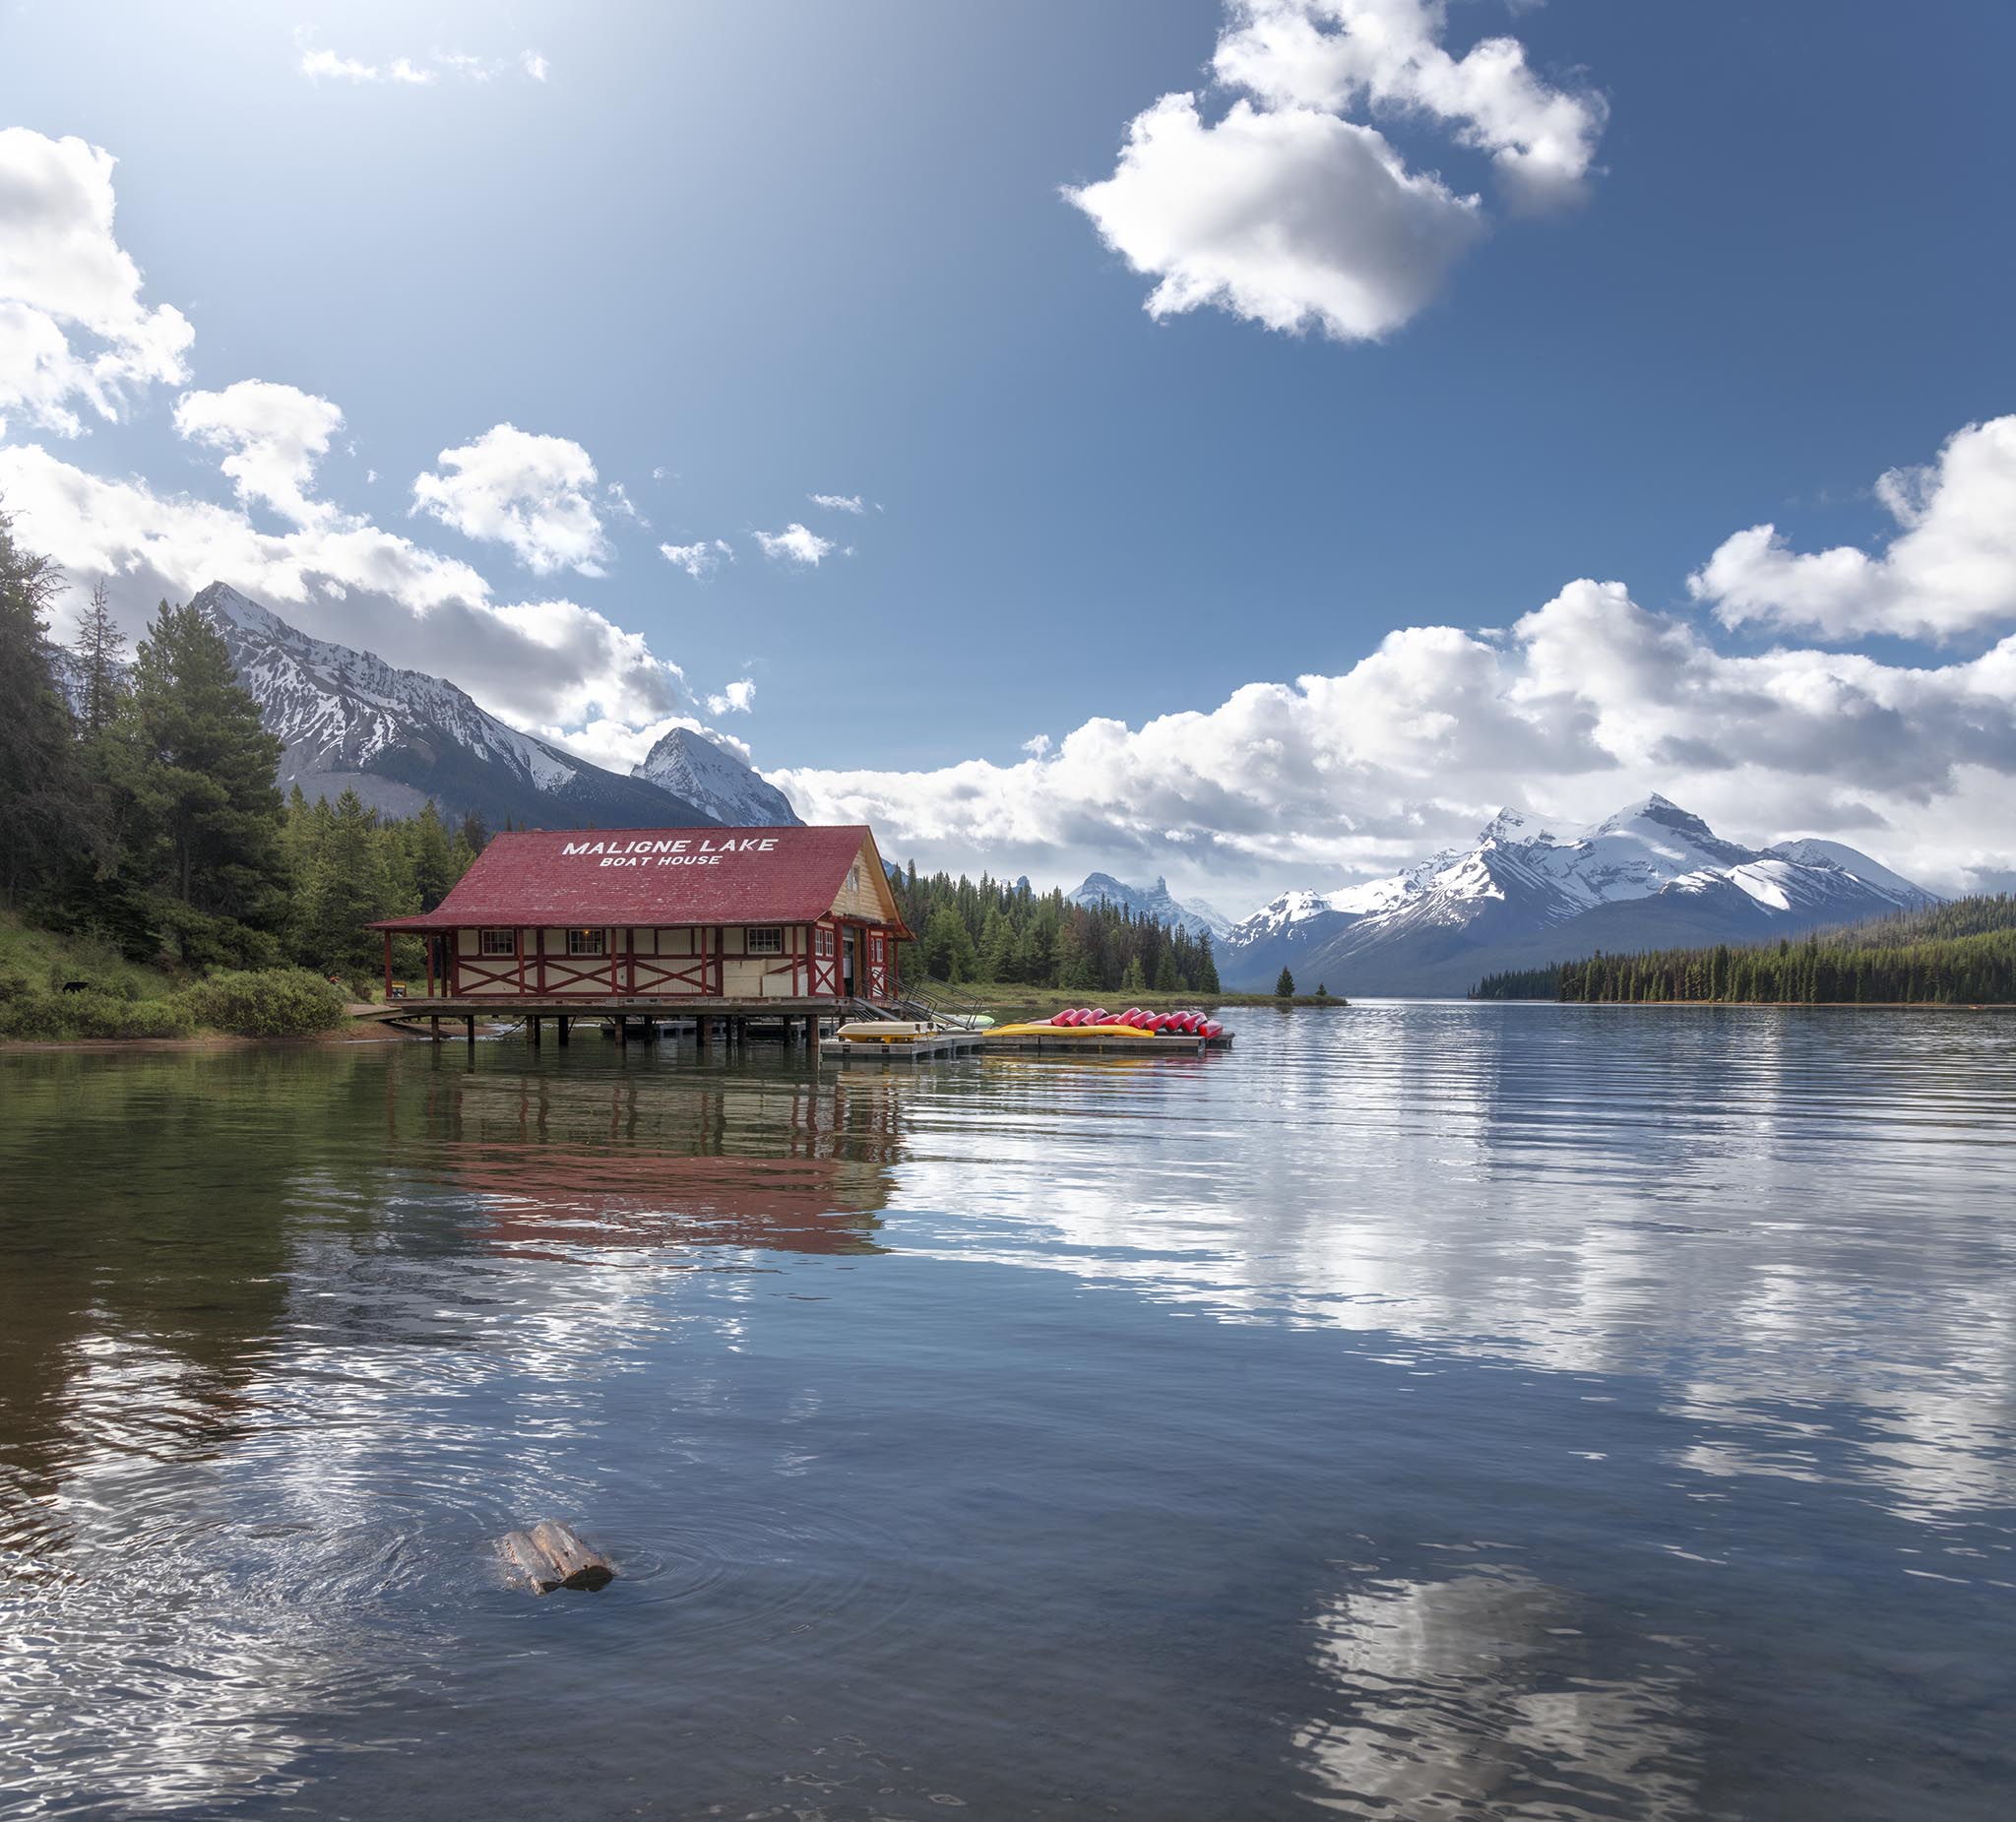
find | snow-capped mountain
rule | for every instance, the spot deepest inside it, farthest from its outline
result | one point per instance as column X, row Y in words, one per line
column 1531, row 892
column 686, row 762
column 398, row 737
column 1156, row 901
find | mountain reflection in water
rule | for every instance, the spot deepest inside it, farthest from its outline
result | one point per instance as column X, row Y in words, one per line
column 1425, row 1411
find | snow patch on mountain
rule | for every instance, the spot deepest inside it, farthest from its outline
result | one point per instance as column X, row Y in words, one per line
column 347, row 718
column 686, row 762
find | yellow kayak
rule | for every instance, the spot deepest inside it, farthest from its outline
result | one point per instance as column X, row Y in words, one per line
column 1068, row 1030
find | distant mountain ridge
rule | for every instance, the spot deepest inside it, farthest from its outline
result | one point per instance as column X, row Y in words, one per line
column 1529, row 892
column 398, row 737
column 1154, row 900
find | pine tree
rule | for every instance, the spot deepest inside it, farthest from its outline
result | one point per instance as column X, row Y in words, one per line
column 1284, row 986
column 1207, row 966
column 207, row 828
column 997, row 947
column 346, row 892
column 432, row 861
column 1165, row 980
column 98, row 647
column 43, row 805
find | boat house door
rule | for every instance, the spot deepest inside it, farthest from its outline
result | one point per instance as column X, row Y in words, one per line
column 846, row 961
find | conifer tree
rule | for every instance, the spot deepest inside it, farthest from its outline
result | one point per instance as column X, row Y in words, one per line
column 346, row 892
column 1284, row 986
column 41, row 802
column 206, row 833
column 432, row 863
column 99, row 649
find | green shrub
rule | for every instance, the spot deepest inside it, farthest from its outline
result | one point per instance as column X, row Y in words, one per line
column 39, row 1013
column 270, row 1002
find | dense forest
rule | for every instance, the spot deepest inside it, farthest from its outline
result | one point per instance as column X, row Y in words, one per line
column 1962, row 953
column 139, row 812
column 1011, row 934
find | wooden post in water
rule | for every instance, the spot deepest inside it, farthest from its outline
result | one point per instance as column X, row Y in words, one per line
column 470, row 1022
column 532, row 1028
column 563, row 1022
column 436, row 1024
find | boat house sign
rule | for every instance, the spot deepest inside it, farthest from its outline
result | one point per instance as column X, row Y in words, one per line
column 672, row 851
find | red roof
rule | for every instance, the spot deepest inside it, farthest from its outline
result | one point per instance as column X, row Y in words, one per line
column 648, row 877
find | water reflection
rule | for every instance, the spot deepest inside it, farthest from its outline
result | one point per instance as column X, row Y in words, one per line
column 1063, row 1436
column 1473, row 1696
column 1744, row 1201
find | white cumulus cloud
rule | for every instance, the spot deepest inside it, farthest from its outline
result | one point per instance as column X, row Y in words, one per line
column 537, row 664
column 533, row 495
column 838, row 502
column 1586, row 702
column 698, row 560
column 535, row 65
column 1337, row 55
column 1950, row 570
column 274, row 436
column 1291, row 218
column 796, row 544
column 316, row 64
column 72, row 329
column 1289, row 213
column 738, row 698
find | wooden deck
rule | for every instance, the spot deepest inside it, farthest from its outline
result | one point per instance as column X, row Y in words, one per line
column 930, row 1047
column 514, row 1006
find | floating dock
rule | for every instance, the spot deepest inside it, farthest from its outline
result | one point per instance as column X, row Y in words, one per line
column 903, row 1047
column 931, row 1046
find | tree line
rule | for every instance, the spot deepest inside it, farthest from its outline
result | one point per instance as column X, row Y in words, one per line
column 138, row 805
column 1962, row 953
column 990, row 930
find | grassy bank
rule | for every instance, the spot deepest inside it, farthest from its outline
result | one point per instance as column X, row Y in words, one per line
column 62, row 989
column 1041, row 1002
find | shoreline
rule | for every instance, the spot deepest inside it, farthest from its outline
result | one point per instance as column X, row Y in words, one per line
column 1771, row 1005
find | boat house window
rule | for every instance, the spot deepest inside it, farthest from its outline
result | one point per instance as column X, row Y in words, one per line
column 499, row 942
column 583, row 942
column 768, row 941
column 822, row 942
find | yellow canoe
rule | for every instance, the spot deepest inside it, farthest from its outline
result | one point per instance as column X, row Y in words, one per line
column 1068, row 1030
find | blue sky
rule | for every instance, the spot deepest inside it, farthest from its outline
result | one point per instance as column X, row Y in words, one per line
column 738, row 256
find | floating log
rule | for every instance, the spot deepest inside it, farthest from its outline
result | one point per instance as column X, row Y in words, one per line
column 550, row 1557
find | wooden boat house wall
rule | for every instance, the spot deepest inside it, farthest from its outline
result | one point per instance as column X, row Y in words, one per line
column 701, row 917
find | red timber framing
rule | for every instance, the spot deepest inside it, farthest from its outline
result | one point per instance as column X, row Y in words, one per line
column 788, row 915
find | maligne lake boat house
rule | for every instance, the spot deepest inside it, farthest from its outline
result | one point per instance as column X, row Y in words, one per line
column 696, row 920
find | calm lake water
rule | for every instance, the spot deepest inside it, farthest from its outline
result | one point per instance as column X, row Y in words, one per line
column 1421, row 1411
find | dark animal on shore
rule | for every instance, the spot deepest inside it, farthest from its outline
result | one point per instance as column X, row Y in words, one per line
column 77, row 986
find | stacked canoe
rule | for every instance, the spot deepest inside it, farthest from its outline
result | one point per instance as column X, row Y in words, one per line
column 1092, row 1024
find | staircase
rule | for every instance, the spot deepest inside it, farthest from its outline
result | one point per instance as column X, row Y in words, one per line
column 932, row 1003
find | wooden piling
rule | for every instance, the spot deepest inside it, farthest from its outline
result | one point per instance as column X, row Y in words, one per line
column 436, row 1025
column 470, row 1022
column 532, row 1028
column 563, row 1022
